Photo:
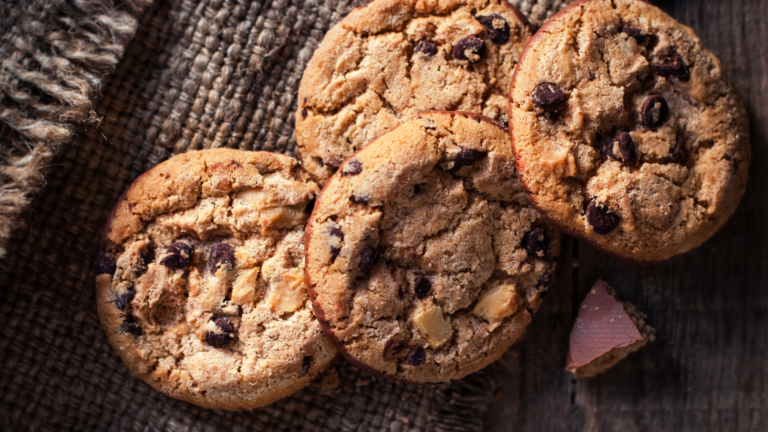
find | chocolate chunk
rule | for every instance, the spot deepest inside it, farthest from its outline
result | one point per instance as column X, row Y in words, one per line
column 545, row 280
column 421, row 286
column 606, row 330
column 145, row 259
column 125, row 298
column 368, row 259
column 471, row 48
column 673, row 65
column 417, row 357
column 222, row 256
column 549, row 96
column 352, row 167
column 426, row 47
column 636, row 34
column 536, row 242
column 105, row 265
column 601, row 219
column 180, row 255
column 218, row 340
column 467, row 157
column 678, row 152
column 497, row 27
column 306, row 362
column 622, row 148
column 130, row 326
column 655, row 111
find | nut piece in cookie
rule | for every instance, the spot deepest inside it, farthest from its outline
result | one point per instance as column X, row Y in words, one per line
column 606, row 331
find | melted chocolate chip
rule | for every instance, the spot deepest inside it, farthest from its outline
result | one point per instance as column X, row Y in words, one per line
column 368, row 259
column 655, row 111
column 306, row 362
column 218, row 340
column 636, row 34
column 427, row 48
column 421, row 286
column 471, row 48
column 222, row 256
column 105, row 265
column 545, row 280
column 130, row 326
column 125, row 298
column 673, row 65
column 417, row 357
column 622, row 148
column 352, row 167
column 678, row 152
column 549, row 96
column 497, row 27
column 601, row 219
column 180, row 255
column 467, row 157
column 536, row 242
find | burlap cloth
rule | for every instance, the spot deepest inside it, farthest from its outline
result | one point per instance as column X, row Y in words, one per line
column 197, row 74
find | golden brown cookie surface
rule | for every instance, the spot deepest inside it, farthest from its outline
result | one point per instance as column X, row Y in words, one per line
column 627, row 131
column 394, row 59
column 200, row 284
column 425, row 259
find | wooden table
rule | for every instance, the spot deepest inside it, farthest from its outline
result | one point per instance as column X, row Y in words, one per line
column 708, row 369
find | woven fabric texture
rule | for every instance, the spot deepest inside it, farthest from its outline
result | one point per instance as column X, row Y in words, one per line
column 197, row 74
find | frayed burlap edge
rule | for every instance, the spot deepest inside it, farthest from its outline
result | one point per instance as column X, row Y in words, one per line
column 54, row 56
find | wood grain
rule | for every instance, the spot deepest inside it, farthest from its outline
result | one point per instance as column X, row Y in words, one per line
column 708, row 369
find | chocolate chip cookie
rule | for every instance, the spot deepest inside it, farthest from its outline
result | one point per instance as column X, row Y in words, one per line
column 393, row 59
column 627, row 131
column 200, row 279
column 425, row 260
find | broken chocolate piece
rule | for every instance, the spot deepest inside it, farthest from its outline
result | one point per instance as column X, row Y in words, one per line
column 621, row 147
column 180, row 255
column 222, row 257
column 548, row 96
column 606, row 331
column 471, row 48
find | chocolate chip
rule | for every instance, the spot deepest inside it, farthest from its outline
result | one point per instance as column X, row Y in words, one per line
column 622, row 148
column 105, row 265
column 678, row 152
column 223, row 324
column 180, row 255
column 141, row 265
column 417, row 357
column 303, row 113
column 358, row 200
column 352, row 167
column 338, row 233
column 545, row 280
column 426, row 47
column 673, row 65
column 536, row 242
column 636, row 34
column 130, row 326
column 218, row 340
column 497, row 27
column 655, row 111
column 549, row 96
column 125, row 298
column 601, row 219
column 306, row 362
column 467, row 157
column 222, row 257
column 421, row 286
column 368, row 259
column 471, row 48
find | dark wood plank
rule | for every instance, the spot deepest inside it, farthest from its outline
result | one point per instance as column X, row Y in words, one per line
column 708, row 369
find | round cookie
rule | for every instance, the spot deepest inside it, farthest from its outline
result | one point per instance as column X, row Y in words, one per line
column 200, row 284
column 391, row 60
column 627, row 132
column 425, row 260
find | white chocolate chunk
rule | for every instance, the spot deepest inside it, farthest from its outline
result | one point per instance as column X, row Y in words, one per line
column 289, row 293
column 496, row 304
column 244, row 288
column 432, row 323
